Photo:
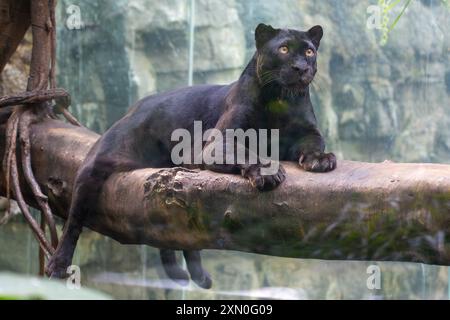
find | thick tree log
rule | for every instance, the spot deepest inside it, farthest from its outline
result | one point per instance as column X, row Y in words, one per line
column 368, row 211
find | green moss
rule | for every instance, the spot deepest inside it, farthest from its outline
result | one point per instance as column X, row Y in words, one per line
column 198, row 218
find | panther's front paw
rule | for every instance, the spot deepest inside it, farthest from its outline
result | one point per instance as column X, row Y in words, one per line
column 261, row 180
column 318, row 162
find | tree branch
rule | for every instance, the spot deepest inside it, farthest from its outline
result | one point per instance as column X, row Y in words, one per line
column 35, row 97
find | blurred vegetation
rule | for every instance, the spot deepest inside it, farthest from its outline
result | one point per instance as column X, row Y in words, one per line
column 22, row 287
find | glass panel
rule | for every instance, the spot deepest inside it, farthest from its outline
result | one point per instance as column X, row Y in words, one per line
column 374, row 101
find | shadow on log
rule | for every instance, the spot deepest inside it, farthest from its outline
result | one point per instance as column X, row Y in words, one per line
column 361, row 211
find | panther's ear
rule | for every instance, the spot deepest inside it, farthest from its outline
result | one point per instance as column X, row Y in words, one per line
column 263, row 34
column 315, row 34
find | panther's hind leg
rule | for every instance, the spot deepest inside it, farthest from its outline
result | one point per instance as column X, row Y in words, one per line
column 194, row 264
column 172, row 268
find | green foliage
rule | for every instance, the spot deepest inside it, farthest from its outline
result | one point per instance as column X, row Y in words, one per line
column 20, row 287
column 387, row 6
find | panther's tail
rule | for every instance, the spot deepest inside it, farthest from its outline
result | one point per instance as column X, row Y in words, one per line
column 88, row 184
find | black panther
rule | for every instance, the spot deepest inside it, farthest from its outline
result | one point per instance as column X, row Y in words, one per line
column 271, row 93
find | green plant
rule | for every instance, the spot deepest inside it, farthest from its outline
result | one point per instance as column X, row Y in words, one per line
column 387, row 6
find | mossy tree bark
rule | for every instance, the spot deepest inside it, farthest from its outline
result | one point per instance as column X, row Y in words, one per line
column 361, row 211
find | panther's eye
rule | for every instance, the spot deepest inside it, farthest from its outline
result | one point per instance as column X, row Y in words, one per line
column 284, row 50
column 309, row 53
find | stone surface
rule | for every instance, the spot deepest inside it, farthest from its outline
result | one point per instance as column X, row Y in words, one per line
column 374, row 102
column 14, row 77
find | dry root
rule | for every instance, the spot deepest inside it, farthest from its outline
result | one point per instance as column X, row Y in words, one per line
column 18, row 126
column 28, row 108
column 12, row 176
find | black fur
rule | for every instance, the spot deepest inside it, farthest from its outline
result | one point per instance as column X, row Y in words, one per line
column 272, row 92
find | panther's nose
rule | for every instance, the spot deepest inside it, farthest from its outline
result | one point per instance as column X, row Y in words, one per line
column 300, row 68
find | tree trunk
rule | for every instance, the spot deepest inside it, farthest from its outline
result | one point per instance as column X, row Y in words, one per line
column 361, row 211
column 14, row 22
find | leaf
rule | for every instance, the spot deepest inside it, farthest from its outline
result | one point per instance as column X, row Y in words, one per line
column 392, row 5
column 21, row 287
column 400, row 15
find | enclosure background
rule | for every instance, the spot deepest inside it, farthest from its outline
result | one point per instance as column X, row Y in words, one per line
column 374, row 102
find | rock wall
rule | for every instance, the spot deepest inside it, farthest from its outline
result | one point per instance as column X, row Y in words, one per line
column 14, row 77
column 374, row 102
